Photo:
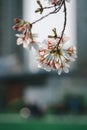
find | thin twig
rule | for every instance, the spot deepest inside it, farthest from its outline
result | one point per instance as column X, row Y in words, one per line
column 48, row 7
column 42, row 18
column 52, row 12
column 65, row 20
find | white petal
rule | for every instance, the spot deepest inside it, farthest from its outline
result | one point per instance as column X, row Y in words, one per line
column 57, row 65
column 47, row 68
column 19, row 35
column 59, row 71
column 66, row 70
column 19, row 41
column 72, row 59
column 25, row 44
column 39, row 65
column 67, row 65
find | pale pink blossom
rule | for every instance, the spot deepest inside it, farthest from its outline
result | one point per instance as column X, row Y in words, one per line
column 26, row 41
column 50, row 57
column 22, row 40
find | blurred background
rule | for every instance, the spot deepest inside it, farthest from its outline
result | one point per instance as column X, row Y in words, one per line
column 32, row 98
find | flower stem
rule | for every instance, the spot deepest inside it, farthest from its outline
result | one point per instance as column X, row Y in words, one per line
column 65, row 20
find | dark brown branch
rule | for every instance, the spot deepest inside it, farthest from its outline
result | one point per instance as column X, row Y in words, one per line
column 65, row 20
column 49, row 7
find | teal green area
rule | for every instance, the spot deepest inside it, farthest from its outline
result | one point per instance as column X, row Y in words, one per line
column 48, row 122
column 44, row 126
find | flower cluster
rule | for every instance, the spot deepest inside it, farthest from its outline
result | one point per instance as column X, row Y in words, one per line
column 52, row 58
column 25, row 37
column 52, row 53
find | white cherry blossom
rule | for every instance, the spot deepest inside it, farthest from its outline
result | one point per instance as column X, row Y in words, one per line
column 50, row 57
column 52, row 53
column 22, row 40
column 27, row 41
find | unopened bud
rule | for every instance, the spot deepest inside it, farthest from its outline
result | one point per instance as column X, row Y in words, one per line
column 17, row 20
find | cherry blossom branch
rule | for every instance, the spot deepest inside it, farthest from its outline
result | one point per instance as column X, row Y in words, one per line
column 52, row 12
column 49, row 7
column 52, row 55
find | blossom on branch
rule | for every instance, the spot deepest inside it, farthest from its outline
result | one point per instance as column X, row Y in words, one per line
column 22, row 40
column 26, row 37
column 52, row 53
column 26, row 41
column 52, row 56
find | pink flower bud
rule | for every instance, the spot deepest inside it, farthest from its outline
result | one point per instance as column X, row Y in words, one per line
column 17, row 20
column 15, row 27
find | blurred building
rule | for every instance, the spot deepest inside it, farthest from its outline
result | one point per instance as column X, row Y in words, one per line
column 19, row 85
